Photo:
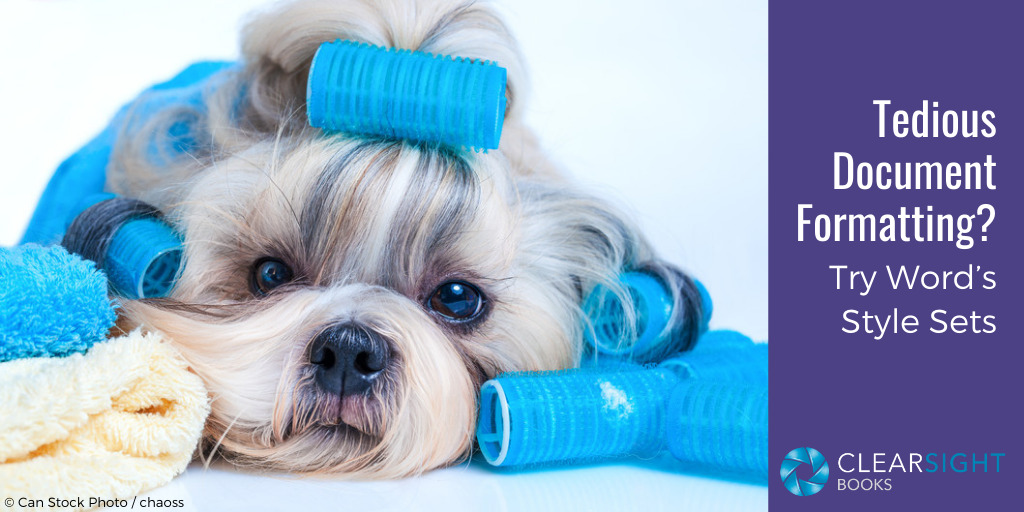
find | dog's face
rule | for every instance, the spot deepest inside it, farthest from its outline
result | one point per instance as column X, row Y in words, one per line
column 343, row 298
column 352, row 296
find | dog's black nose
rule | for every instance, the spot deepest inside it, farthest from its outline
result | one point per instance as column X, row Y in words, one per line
column 348, row 359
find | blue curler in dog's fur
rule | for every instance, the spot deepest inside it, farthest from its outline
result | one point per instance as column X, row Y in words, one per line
column 612, row 411
column 610, row 331
column 365, row 89
column 140, row 253
column 52, row 303
column 144, row 258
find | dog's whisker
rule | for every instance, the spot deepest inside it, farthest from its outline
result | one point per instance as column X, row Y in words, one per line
column 220, row 440
column 432, row 268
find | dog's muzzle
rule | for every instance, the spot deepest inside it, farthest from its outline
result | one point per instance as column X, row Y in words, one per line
column 348, row 359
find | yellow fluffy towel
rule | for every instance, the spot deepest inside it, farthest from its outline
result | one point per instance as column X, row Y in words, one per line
column 115, row 422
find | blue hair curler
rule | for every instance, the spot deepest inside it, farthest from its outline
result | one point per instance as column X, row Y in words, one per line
column 723, row 356
column 142, row 257
column 578, row 415
column 610, row 331
column 365, row 89
column 612, row 411
column 720, row 425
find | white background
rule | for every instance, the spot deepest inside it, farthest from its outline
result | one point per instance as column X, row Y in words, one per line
column 661, row 106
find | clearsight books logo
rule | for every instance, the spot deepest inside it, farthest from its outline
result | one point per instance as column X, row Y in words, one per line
column 805, row 471
column 804, row 461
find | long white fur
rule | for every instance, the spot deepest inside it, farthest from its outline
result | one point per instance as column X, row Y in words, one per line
column 531, row 242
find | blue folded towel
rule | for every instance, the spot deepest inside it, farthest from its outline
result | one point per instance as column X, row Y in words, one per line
column 52, row 303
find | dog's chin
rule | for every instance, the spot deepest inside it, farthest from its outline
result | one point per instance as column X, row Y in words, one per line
column 363, row 413
column 355, row 437
column 332, row 434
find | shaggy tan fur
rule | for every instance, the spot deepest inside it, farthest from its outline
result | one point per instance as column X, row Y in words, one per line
column 371, row 228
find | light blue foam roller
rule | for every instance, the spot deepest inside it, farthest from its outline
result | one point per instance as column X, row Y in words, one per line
column 719, row 424
column 573, row 416
column 365, row 89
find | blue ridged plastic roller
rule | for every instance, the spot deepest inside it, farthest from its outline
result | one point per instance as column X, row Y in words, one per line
column 578, row 415
column 622, row 330
column 142, row 257
column 724, row 356
column 719, row 424
column 365, row 89
column 613, row 411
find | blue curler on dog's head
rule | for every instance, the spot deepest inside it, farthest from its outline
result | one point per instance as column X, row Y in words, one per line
column 364, row 89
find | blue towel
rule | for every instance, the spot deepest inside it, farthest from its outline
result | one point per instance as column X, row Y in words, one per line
column 52, row 303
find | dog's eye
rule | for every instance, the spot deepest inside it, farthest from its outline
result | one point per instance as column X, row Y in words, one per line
column 456, row 301
column 269, row 273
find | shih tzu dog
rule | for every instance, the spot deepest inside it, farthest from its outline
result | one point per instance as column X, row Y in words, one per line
column 344, row 297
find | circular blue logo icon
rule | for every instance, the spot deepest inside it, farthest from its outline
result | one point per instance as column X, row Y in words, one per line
column 795, row 460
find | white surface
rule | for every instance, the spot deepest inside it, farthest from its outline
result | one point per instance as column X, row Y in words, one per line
column 660, row 105
column 647, row 486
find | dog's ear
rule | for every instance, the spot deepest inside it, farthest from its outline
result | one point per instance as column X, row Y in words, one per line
column 278, row 46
